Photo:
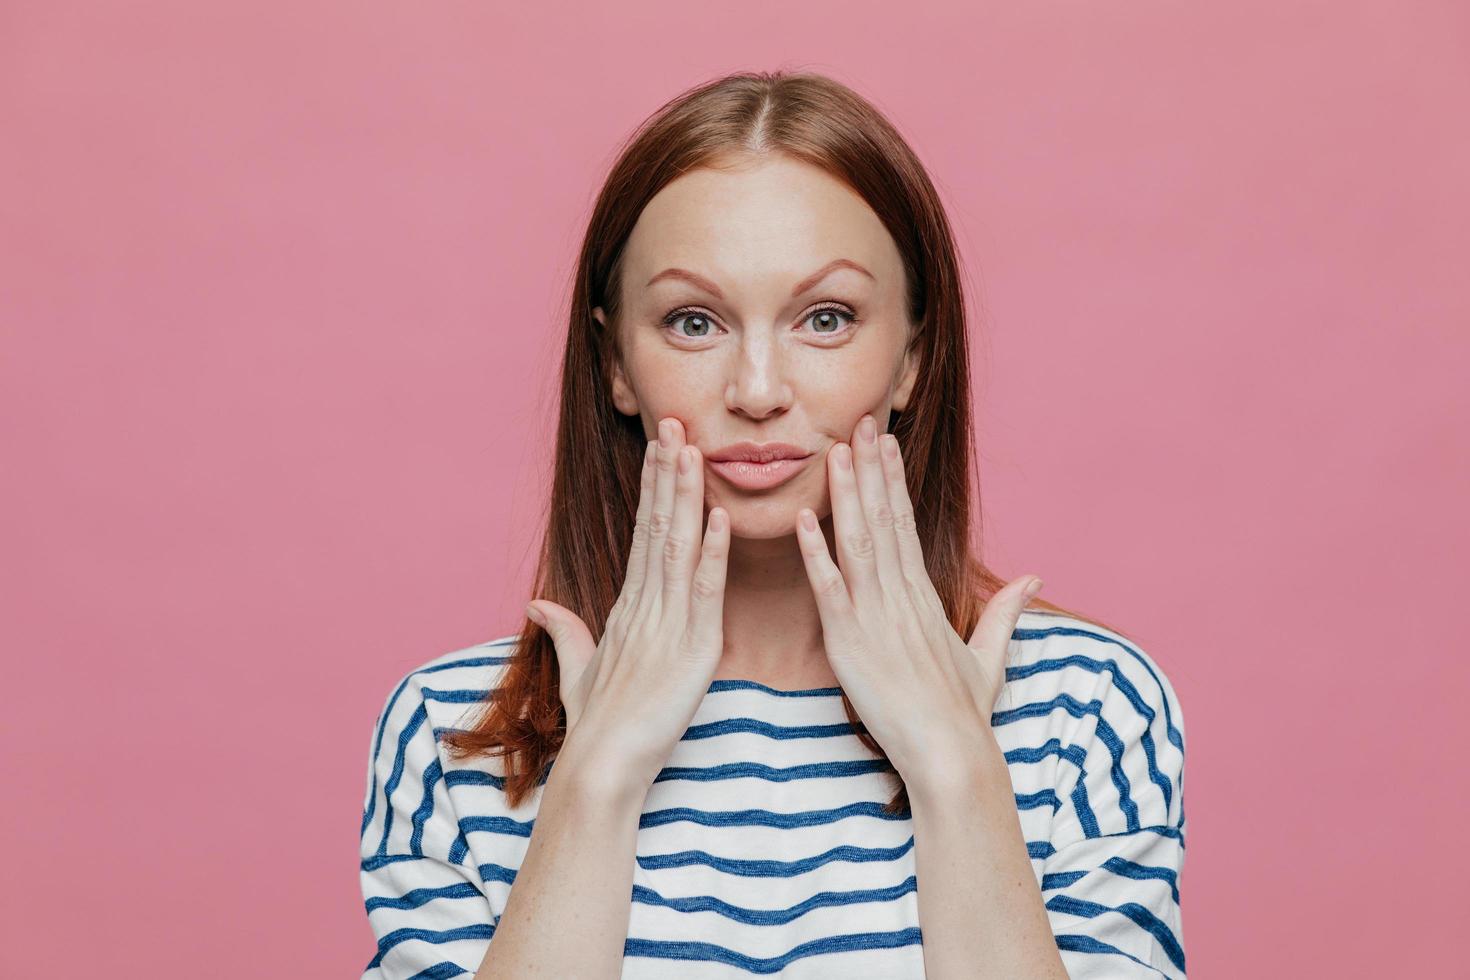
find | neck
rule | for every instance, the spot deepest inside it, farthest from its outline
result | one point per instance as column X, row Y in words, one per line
column 773, row 633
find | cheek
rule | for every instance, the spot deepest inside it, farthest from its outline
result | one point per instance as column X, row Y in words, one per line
column 670, row 388
column 838, row 397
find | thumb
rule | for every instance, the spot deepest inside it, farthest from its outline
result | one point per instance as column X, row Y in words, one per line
column 998, row 620
column 574, row 649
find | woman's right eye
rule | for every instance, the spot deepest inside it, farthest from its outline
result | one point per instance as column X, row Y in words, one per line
column 700, row 325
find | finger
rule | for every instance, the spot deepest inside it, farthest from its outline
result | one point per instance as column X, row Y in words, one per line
column 666, row 459
column 706, row 629
column 998, row 620
column 855, row 554
column 876, row 508
column 840, row 629
column 634, row 577
column 905, row 528
column 570, row 638
column 638, row 552
column 683, row 540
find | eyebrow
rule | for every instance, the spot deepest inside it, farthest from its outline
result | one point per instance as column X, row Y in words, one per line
column 797, row 290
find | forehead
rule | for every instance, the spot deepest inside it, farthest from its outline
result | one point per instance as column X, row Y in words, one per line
column 768, row 217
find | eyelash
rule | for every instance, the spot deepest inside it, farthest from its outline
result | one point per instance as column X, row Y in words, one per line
column 684, row 311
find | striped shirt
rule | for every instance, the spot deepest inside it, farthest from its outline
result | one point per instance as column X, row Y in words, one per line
column 763, row 848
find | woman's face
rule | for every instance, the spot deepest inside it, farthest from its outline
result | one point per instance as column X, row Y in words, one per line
column 772, row 331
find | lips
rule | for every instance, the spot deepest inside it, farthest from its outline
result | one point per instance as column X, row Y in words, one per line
column 757, row 465
column 756, row 452
column 751, row 475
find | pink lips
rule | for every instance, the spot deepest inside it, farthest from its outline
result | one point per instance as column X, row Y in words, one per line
column 757, row 465
column 749, row 475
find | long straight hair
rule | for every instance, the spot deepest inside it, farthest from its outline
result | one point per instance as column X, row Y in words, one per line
column 599, row 451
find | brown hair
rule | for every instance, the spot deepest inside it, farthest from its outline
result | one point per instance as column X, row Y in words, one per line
column 599, row 451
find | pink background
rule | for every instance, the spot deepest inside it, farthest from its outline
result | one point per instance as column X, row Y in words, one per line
column 282, row 289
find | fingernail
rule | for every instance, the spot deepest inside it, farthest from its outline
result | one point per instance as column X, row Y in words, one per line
column 534, row 615
column 844, row 456
column 868, row 429
column 1033, row 588
column 890, row 445
column 686, row 459
column 808, row 520
column 665, row 433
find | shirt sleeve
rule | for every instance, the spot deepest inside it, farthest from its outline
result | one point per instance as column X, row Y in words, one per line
column 1111, row 883
column 423, row 894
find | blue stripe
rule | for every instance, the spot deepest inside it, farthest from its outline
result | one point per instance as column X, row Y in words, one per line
column 497, row 872
column 773, row 917
column 1086, row 944
column 752, row 868
column 1118, row 866
column 1074, row 754
column 764, row 818
column 436, row 936
column 1039, row 799
column 730, row 726
column 378, row 861
column 433, row 772
column 733, row 818
column 743, row 685
column 457, row 696
column 367, row 816
column 479, row 777
column 420, row 715
column 459, row 848
column 753, row 964
column 473, row 777
column 1138, row 914
column 1144, row 872
column 497, row 825
column 756, row 770
column 423, row 896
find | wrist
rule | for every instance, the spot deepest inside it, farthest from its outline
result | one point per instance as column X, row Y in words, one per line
column 972, row 764
column 600, row 776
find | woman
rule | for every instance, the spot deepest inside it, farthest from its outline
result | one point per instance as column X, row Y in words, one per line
column 769, row 748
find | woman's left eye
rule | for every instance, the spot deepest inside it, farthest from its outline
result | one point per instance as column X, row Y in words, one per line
column 828, row 314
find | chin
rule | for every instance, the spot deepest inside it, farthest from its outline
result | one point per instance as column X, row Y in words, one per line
column 769, row 518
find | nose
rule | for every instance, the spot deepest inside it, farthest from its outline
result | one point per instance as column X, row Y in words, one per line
column 758, row 386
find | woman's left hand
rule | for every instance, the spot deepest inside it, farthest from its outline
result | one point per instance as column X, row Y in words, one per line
column 923, row 692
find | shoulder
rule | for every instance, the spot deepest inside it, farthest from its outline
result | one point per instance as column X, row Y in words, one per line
column 1112, row 710
column 474, row 666
column 440, row 690
column 1060, row 654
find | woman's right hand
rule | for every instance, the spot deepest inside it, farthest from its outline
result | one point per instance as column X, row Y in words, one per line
column 630, row 697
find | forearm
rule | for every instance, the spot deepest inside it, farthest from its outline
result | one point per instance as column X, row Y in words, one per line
column 980, row 909
column 567, row 913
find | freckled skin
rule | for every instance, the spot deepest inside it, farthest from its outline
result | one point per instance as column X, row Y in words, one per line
column 762, row 365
